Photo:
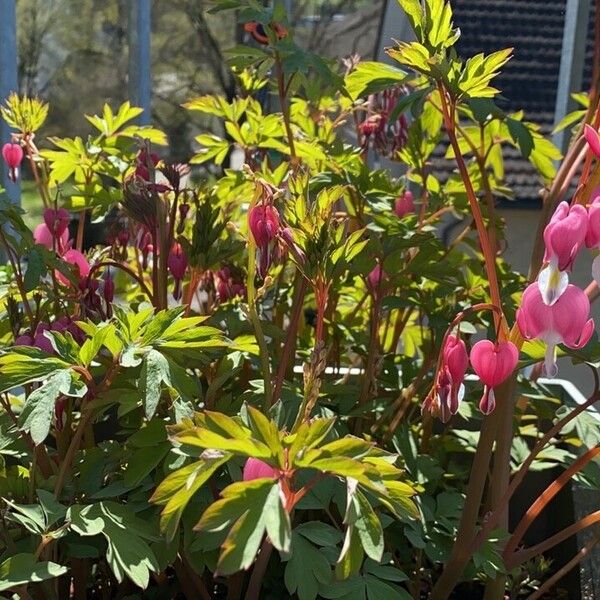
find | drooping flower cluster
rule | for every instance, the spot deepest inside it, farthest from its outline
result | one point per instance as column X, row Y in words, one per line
column 263, row 221
column 382, row 130
column 492, row 362
column 552, row 309
column 95, row 296
column 39, row 340
column 229, row 284
column 53, row 233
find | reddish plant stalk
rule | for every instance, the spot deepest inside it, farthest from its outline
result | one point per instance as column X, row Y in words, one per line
column 289, row 346
column 549, row 584
column 538, row 506
column 522, row 556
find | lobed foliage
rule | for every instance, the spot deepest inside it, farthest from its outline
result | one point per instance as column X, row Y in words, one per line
column 129, row 419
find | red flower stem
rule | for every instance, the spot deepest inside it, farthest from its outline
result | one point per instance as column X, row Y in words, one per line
column 258, row 573
column 30, row 149
column 289, row 347
column 493, row 518
column 524, row 555
column 255, row 322
column 461, row 551
column 550, row 583
column 538, row 506
column 466, row 532
column 80, row 229
column 449, row 115
column 162, row 256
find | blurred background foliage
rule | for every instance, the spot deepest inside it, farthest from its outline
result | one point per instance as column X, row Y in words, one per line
column 73, row 54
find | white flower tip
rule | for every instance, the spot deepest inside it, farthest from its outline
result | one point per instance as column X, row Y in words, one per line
column 552, row 283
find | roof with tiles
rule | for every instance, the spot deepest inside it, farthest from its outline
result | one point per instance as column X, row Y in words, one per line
column 529, row 81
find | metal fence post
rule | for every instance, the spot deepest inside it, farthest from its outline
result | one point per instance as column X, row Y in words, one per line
column 140, row 76
column 8, row 83
column 577, row 15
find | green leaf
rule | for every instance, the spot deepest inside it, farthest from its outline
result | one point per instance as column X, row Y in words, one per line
column 30, row 516
column 248, row 509
column 479, row 71
column 351, row 557
column 26, row 365
column 38, row 410
column 277, row 520
column 178, row 488
column 266, row 431
column 438, row 25
column 361, row 514
column 306, row 569
column 414, row 11
column 309, row 435
column 36, row 269
column 319, row 533
column 128, row 553
column 53, row 510
column 569, row 120
column 22, row 569
column 371, row 77
column 377, row 589
column 520, row 134
column 155, row 371
column 92, row 345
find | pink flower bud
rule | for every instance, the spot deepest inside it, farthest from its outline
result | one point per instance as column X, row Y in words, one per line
column 404, row 204
column 371, row 125
column 57, row 221
column 79, row 261
column 493, row 363
column 263, row 220
column 142, row 162
column 108, row 291
column 177, row 263
column 448, row 391
column 565, row 234
column 593, row 139
column 565, row 322
column 257, row 469
column 24, row 340
column 455, row 358
column 376, row 279
column 592, row 238
column 43, row 235
column 12, row 155
column 184, row 209
column 123, row 237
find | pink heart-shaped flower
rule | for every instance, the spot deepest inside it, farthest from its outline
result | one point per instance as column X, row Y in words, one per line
column 493, row 363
